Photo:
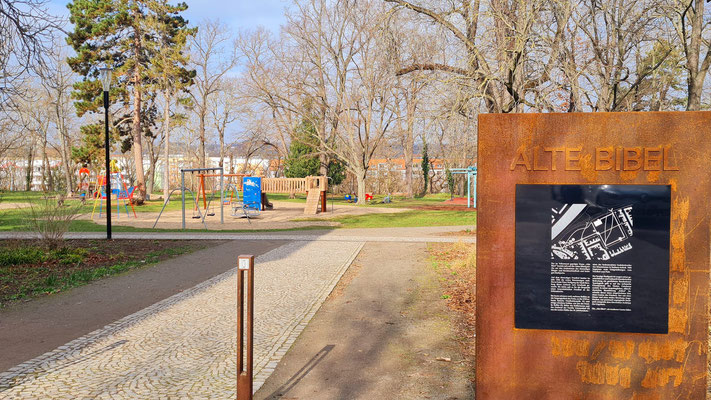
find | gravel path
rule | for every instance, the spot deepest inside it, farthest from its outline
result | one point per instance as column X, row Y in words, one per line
column 185, row 346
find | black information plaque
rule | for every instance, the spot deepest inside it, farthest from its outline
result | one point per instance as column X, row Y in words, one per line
column 592, row 257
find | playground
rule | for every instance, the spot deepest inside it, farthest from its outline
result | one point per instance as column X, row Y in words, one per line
column 283, row 215
column 209, row 199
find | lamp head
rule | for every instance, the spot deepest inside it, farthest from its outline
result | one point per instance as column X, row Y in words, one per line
column 105, row 76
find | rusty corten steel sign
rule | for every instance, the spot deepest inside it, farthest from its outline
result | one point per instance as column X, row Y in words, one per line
column 593, row 256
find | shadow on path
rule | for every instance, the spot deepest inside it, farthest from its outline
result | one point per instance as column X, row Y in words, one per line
column 300, row 374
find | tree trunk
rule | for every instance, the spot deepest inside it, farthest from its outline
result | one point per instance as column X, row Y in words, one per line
column 432, row 175
column 694, row 97
column 64, row 151
column 323, row 164
column 154, row 155
column 166, row 135
column 48, row 171
column 245, row 164
column 360, row 178
column 140, row 195
column 46, row 179
column 408, row 153
column 30, row 168
column 695, row 66
column 222, row 148
column 203, row 153
column 151, row 175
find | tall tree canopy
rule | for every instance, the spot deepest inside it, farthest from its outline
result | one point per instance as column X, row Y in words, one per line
column 126, row 36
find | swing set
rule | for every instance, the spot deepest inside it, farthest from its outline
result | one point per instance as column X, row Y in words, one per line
column 471, row 173
column 197, row 212
column 231, row 186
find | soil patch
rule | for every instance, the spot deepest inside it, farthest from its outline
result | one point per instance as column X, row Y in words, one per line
column 29, row 270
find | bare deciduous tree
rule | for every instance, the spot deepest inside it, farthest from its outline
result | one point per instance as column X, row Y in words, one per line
column 692, row 22
column 224, row 109
column 493, row 40
column 26, row 30
column 213, row 55
column 57, row 80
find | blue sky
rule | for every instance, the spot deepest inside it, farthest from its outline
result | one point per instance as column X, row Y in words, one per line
column 239, row 14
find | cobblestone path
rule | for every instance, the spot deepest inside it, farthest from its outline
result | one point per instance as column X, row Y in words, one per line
column 184, row 347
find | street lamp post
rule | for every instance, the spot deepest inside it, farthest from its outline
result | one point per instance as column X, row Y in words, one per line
column 105, row 75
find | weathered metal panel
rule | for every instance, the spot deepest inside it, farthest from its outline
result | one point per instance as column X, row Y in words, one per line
column 671, row 148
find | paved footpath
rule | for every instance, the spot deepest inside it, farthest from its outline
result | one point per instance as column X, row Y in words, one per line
column 184, row 347
column 442, row 234
column 377, row 337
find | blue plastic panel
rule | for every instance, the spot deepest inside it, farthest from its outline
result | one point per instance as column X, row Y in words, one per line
column 252, row 187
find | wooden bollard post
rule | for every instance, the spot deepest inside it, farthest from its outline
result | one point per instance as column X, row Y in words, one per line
column 244, row 372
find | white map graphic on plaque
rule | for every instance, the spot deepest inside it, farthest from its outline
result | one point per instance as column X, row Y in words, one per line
column 579, row 235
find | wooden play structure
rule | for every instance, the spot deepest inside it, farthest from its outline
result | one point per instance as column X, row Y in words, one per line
column 314, row 186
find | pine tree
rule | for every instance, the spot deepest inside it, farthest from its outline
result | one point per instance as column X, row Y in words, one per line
column 303, row 159
column 450, row 183
column 336, row 171
column 121, row 35
column 425, row 168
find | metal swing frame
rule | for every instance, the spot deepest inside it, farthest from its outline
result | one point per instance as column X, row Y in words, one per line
column 182, row 189
column 471, row 176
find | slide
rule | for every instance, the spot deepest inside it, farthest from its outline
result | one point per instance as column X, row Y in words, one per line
column 266, row 205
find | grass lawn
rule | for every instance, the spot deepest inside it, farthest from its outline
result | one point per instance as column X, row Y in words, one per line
column 20, row 197
column 148, row 206
column 175, row 201
column 28, row 270
column 395, row 201
column 406, row 219
column 14, row 219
